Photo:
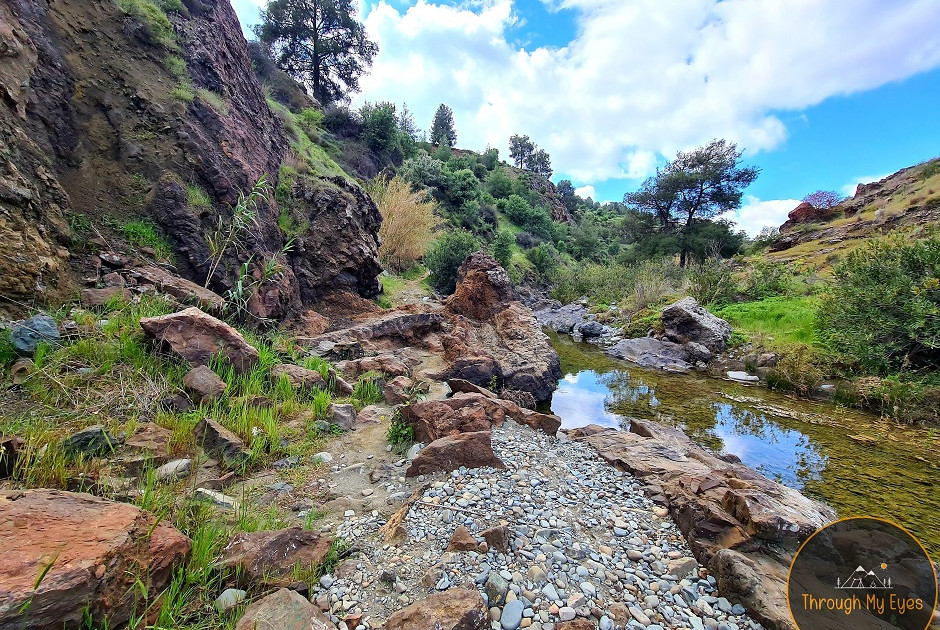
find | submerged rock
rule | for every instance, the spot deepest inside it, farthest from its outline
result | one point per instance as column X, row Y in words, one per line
column 652, row 353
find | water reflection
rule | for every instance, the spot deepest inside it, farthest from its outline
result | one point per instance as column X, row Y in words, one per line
column 611, row 398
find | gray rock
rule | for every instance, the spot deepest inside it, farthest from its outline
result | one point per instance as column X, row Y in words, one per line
column 742, row 376
column 27, row 335
column 91, row 442
column 230, row 598
column 344, row 416
column 496, row 588
column 217, row 499
column 511, row 617
column 174, row 470
column 686, row 321
column 591, row 329
column 652, row 353
column 324, row 457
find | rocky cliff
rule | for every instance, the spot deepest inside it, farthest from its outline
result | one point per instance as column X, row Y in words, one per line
column 110, row 115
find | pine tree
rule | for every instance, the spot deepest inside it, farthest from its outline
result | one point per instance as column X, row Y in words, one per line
column 443, row 132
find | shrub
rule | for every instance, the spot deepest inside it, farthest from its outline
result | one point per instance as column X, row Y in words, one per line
column 535, row 219
column 400, row 432
column 423, row 170
column 407, row 222
column 143, row 233
column 502, row 248
column 310, row 121
column 499, row 184
column 883, row 309
column 543, row 258
column 767, row 279
column 634, row 286
column 380, row 126
column 154, row 20
column 800, row 369
column 711, row 283
column 446, row 256
column 527, row 240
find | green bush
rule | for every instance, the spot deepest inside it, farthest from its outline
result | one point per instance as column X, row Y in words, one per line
column 400, row 432
column 153, row 18
column 711, row 283
column 446, row 256
column 502, row 248
column 380, row 126
column 534, row 219
column 499, row 184
column 883, row 309
column 767, row 279
column 543, row 258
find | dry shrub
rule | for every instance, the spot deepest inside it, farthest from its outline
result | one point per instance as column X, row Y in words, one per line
column 407, row 222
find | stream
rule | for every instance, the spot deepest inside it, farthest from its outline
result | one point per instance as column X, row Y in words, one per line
column 852, row 460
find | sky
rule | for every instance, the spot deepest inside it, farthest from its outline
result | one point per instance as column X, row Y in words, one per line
column 820, row 94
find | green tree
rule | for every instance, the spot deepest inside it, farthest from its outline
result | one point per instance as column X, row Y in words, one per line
column 490, row 158
column 698, row 184
column 443, row 131
column 318, row 42
column 499, row 184
column 521, row 149
column 502, row 248
column 445, row 257
column 542, row 258
column 540, row 163
column 380, row 126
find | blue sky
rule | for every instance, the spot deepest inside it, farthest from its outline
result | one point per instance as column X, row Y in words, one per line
column 821, row 93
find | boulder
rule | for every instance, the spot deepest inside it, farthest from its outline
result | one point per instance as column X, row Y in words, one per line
column 483, row 288
column 460, row 386
column 497, row 538
column 591, row 329
column 343, row 415
column 562, row 319
column 387, row 364
column 174, row 470
column 454, row 609
column 398, row 390
column 467, row 412
column 27, row 335
column 92, row 441
column 473, row 450
column 198, row 337
column 203, row 384
column 544, row 422
column 182, row 289
column 97, row 548
column 686, row 321
column 101, row 297
column 283, row 609
column 299, row 377
column 270, row 556
column 373, row 414
column 462, row 540
column 652, row 353
column 10, row 448
column 221, row 443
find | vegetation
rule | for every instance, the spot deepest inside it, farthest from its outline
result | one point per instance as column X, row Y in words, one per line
column 446, row 256
column 824, row 199
column 319, row 43
column 144, row 233
column 443, row 132
column 152, row 16
column 526, row 154
column 407, row 222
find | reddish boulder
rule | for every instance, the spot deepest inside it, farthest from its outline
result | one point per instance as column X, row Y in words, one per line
column 198, row 337
column 180, row 288
column 462, row 540
column 483, row 288
column 387, row 364
column 270, row 556
column 97, row 549
column 473, row 450
column 101, row 297
column 497, row 538
column 454, row 609
column 283, row 610
column 203, row 384
column 398, row 390
column 460, row 386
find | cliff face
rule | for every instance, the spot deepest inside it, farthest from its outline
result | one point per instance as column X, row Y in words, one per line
column 108, row 117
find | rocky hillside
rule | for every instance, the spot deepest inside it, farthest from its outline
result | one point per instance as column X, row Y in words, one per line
column 907, row 202
column 124, row 129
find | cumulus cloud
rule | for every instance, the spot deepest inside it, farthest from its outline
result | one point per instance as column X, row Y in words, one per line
column 645, row 78
column 586, row 192
column 755, row 214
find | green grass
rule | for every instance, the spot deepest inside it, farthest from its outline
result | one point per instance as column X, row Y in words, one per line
column 198, row 198
column 775, row 321
column 144, row 233
column 183, row 92
column 154, row 19
column 313, row 157
column 213, row 100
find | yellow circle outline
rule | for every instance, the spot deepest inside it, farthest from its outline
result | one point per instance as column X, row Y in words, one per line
column 936, row 592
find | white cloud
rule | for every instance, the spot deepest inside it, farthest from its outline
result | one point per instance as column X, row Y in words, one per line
column 849, row 189
column 586, row 192
column 755, row 214
column 645, row 78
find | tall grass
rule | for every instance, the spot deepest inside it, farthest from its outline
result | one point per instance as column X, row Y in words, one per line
column 634, row 287
column 777, row 321
column 407, row 222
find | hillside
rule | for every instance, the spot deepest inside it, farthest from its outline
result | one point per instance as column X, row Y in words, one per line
column 906, row 202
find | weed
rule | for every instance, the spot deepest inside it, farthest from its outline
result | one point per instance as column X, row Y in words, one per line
column 144, row 233
column 79, row 223
column 197, row 198
column 367, row 390
column 230, row 234
column 213, row 100
column 400, row 432
column 175, row 65
column 183, row 92
column 7, row 350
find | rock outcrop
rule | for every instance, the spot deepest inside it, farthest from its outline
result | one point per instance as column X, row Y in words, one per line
column 126, row 124
column 740, row 524
column 686, row 322
column 94, row 549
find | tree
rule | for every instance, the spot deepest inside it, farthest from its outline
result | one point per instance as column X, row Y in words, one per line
column 697, row 184
column 379, row 126
column 502, row 248
column 540, row 163
column 565, row 188
column 319, row 43
column 445, row 257
column 442, row 127
column 520, row 150
column 406, row 122
column 824, row 199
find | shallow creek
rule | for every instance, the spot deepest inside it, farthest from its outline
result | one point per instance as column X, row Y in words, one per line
column 854, row 461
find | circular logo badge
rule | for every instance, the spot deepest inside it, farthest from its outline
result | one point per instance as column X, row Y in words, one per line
column 862, row 574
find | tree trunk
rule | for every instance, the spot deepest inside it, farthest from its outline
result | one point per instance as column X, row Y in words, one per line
column 682, row 257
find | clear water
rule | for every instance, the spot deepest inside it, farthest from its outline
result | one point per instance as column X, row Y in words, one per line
column 854, row 461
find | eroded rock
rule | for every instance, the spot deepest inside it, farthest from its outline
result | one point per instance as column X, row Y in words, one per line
column 203, row 384
column 473, row 450
column 652, row 353
column 686, row 321
column 221, row 443
column 283, row 610
column 197, row 337
column 270, row 556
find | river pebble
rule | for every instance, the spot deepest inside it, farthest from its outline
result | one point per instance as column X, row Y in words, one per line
column 584, row 542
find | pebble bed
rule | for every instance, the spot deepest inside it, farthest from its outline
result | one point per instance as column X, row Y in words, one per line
column 585, row 543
